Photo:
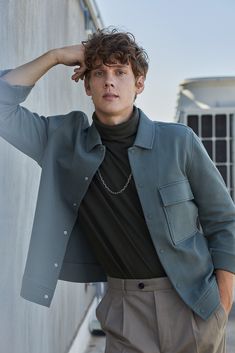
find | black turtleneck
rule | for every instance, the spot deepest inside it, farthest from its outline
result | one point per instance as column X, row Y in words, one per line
column 115, row 224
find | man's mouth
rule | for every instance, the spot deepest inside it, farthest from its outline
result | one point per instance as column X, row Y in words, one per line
column 110, row 96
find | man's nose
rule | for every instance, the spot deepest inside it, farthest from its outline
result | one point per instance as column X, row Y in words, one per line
column 109, row 82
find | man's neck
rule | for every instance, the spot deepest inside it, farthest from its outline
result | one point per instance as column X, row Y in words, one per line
column 108, row 119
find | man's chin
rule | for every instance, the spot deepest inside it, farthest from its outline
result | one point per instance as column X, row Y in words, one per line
column 114, row 110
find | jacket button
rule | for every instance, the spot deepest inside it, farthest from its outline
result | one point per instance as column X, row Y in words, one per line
column 65, row 232
column 74, row 204
column 55, row 264
column 141, row 285
column 46, row 296
column 86, row 178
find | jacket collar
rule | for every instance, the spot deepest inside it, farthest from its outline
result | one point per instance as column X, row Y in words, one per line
column 145, row 133
column 93, row 138
column 144, row 137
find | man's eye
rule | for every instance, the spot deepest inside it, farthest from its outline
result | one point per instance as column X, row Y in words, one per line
column 121, row 72
column 98, row 73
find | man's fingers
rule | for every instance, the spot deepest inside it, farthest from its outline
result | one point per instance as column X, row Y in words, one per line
column 78, row 76
column 79, row 73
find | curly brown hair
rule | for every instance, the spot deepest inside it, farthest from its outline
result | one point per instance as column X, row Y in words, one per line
column 107, row 46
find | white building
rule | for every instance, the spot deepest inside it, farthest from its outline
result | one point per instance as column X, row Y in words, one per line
column 27, row 30
column 207, row 105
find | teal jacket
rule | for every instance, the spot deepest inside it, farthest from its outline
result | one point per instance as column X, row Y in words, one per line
column 188, row 210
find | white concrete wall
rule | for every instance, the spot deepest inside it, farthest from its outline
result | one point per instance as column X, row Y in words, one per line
column 28, row 28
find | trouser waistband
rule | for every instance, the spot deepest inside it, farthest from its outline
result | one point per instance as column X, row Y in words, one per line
column 146, row 284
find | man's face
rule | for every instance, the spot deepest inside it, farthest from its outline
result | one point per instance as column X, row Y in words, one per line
column 113, row 89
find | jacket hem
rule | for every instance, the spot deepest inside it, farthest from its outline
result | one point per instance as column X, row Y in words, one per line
column 209, row 301
column 82, row 273
column 35, row 292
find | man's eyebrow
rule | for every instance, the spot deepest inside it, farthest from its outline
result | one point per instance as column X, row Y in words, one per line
column 111, row 65
column 121, row 66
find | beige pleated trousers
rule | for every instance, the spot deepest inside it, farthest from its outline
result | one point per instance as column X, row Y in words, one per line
column 148, row 316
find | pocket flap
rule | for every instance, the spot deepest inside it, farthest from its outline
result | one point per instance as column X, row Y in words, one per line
column 176, row 192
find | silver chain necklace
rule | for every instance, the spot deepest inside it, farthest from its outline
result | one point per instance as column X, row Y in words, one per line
column 111, row 191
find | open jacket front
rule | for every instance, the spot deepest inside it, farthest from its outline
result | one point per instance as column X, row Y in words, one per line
column 188, row 210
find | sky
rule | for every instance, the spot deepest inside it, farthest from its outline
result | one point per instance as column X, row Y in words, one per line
column 183, row 39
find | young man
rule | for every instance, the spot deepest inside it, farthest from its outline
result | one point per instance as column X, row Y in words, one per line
column 128, row 200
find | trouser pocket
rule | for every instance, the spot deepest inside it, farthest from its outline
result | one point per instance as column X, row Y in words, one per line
column 102, row 307
column 210, row 334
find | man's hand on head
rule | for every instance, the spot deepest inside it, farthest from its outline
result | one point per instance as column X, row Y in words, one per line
column 72, row 56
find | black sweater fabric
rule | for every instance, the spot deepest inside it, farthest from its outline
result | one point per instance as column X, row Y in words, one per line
column 115, row 224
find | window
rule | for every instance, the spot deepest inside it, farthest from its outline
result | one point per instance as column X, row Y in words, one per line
column 221, row 152
column 220, row 125
column 206, row 125
column 208, row 146
column 216, row 133
column 193, row 123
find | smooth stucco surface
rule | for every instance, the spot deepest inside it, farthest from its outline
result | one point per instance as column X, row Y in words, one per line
column 27, row 30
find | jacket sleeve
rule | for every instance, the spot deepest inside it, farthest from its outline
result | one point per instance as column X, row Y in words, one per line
column 215, row 206
column 23, row 129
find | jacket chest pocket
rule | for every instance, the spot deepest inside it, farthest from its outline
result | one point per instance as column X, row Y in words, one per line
column 180, row 210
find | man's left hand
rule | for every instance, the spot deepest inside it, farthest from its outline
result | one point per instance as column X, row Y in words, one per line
column 225, row 281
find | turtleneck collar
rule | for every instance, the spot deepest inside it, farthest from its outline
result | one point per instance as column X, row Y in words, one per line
column 121, row 132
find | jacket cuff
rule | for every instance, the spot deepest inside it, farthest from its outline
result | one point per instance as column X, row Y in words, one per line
column 223, row 261
column 12, row 94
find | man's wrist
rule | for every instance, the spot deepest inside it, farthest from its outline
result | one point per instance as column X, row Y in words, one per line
column 54, row 56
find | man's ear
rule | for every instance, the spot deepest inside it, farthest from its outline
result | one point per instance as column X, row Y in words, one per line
column 139, row 84
column 87, row 86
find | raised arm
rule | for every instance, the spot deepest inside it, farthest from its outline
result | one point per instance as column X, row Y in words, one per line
column 29, row 73
column 27, row 131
